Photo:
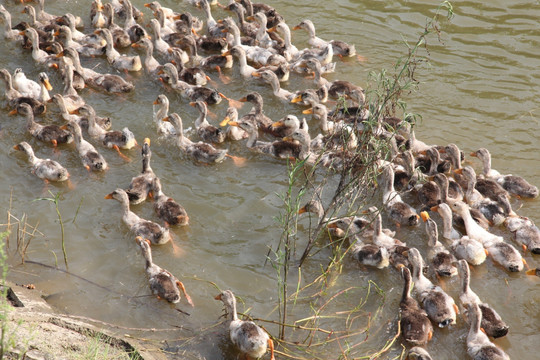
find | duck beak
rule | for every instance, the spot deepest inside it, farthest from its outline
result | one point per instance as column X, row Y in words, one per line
column 308, row 111
column 60, row 54
column 302, row 210
column 435, row 208
column 424, row 215
column 458, row 171
column 63, row 127
column 166, row 119
column 155, row 102
column 296, row 99
column 147, row 141
column 233, row 123
column 47, row 84
column 277, row 123
column 225, row 121
column 297, row 27
column 16, row 147
column 244, row 99
column 13, row 112
column 255, row 74
column 332, row 226
column 218, row 297
column 473, row 154
column 109, row 196
column 287, row 138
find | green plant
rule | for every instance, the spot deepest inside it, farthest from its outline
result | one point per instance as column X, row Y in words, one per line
column 56, row 200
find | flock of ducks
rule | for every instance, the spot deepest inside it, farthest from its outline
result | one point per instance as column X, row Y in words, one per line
column 259, row 44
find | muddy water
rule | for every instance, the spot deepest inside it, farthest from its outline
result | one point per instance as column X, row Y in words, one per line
column 481, row 90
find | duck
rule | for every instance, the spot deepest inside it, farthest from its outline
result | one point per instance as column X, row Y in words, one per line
column 25, row 86
column 370, row 254
column 120, row 36
column 139, row 187
column 429, row 194
column 492, row 323
column 271, row 78
column 41, row 57
column 72, row 99
column 250, row 339
column 151, row 65
column 9, row 33
column 337, row 88
column 450, row 190
column 479, row 347
column 103, row 122
column 163, row 127
column 90, row 158
column 105, row 82
column 320, row 113
column 193, row 93
column 97, row 18
column 285, row 126
column 501, row 252
column 515, row 185
column 239, row 53
column 199, row 151
column 90, row 40
column 120, row 62
column 160, row 45
column 418, row 353
column 399, row 211
column 414, row 322
column 462, row 246
column 14, row 97
column 495, row 212
column 233, row 133
column 157, row 234
column 311, row 97
column 434, row 165
column 340, row 48
column 279, row 149
column 440, row 258
column 193, row 75
column 439, row 306
column 525, row 232
column 47, row 133
column 218, row 62
column 207, row 133
column 213, row 27
column 289, row 50
column 46, row 169
column 162, row 283
column 112, row 139
column 166, row 208
column 256, row 115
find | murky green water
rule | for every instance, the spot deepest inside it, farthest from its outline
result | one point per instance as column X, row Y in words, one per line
column 481, row 90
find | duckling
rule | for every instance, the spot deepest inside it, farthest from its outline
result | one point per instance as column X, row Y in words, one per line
column 501, row 252
column 72, row 99
column 151, row 65
column 250, row 339
column 398, row 210
column 340, row 48
column 213, row 27
column 439, row 306
column 238, row 52
column 311, row 97
column 160, row 45
column 478, row 345
column 48, row 133
column 199, row 151
column 233, row 132
column 120, row 62
column 162, row 283
column 9, row 34
column 163, row 128
column 90, row 40
column 46, row 169
column 112, row 139
column 107, row 82
column 434, row 165
column 140, row 185
column 280, row 149
column 207, row 132
column 492, row 210
column 97, row 18
column 450, row 190
column 26, row 87
column 418, row 353
column 429, row 194
column 192, row 75
column 91, row 159
column 286, row 126
column 516, row 185
column 271, row 78
column 15, row 98
column 370, row 254
column 492, row 322
column 103, row 122
column 440, row 258
column 382, row 237
column 166, row 208
column 150, row 230
column 193, row 93
column 41, row 57
column 415, row 325
column 463, row 247
column 526, row 233
column 120, row 35
column 256, row 115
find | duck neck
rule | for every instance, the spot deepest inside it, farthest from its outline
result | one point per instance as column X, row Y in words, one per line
column 69, row 90
column 447, row 224
column 471, row 183
column 162, row 112
column 242, row 61
column 44, row 93
column 406, row 287
column 287, row 37
column 252, row 139
column 475, row 319
column 31, row 156
column 211, row 22
column 276, row 87
column 233, row 316
column 311, row 31
column 466, row 279
column 147, row 253
column 110, row 51
column 432, row 233
column 443, row 189
column 201, row 119
column 30, row 123
column 261, row 33
column 235, row 31
column 146, row 165
column 323, row 122
column 486, row 164
column 417, row 268
column 377, row 226
column 7, row 23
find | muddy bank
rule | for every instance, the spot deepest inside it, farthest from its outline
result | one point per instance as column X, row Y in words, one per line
column 40, row 332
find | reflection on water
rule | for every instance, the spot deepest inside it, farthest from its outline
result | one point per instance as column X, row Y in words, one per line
column 480, row 91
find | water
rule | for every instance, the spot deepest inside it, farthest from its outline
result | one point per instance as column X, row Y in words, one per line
column 480, row 91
